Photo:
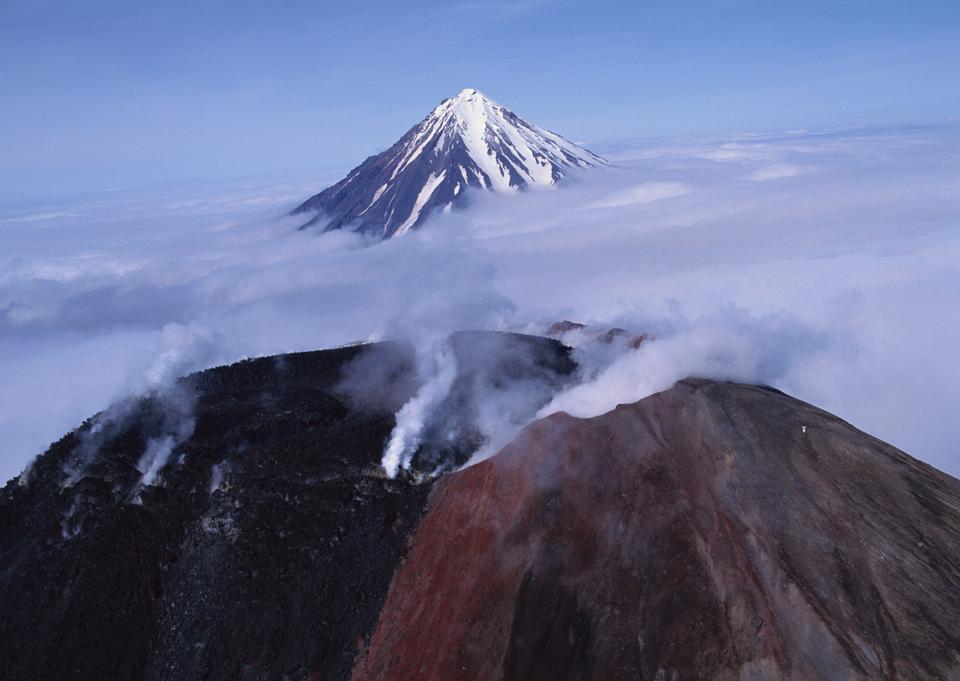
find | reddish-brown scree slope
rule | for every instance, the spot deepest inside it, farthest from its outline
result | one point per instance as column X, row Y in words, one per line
column 712, row 531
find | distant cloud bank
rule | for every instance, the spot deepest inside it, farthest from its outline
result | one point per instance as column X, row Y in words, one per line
column 825, row 263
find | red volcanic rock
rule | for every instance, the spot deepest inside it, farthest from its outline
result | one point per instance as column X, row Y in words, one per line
column 712, row 531
column 607, row 337
column 633, row 341
column 562, row 327
column 611, row 335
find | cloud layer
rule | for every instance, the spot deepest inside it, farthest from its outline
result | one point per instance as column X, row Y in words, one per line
column 824, row 263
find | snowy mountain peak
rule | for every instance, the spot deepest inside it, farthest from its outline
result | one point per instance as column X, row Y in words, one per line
column 467, row 142
column 469, row 92
column 467, row 98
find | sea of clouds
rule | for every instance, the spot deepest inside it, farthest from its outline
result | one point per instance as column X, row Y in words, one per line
column 825, row 263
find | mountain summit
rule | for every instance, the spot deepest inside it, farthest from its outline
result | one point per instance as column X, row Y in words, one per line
column 467, row 141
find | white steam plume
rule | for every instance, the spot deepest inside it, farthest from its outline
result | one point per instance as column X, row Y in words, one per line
column 729, row 345
column 438, row 371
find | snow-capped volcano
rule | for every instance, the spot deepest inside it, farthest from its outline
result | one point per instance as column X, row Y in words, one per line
column 467, row 141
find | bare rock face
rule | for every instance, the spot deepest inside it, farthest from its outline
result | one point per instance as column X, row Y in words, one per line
column 712, row 531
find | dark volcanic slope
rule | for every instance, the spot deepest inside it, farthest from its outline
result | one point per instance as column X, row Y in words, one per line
column 263, row 549
column 713, row 531
column 278, row 570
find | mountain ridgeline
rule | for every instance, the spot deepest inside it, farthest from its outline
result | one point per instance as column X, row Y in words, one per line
column 240, row 526
column 467, row 142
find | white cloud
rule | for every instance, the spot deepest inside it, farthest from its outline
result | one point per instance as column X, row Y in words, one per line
column 838, row 286
column 647, row 192
column 776, row 171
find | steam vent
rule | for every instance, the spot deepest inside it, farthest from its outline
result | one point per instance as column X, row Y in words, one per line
column 711, row 531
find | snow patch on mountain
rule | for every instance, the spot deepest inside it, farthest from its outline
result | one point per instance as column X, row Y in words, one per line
column 467, row 141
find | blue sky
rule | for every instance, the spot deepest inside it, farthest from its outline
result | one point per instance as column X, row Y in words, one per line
column 104, row 94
